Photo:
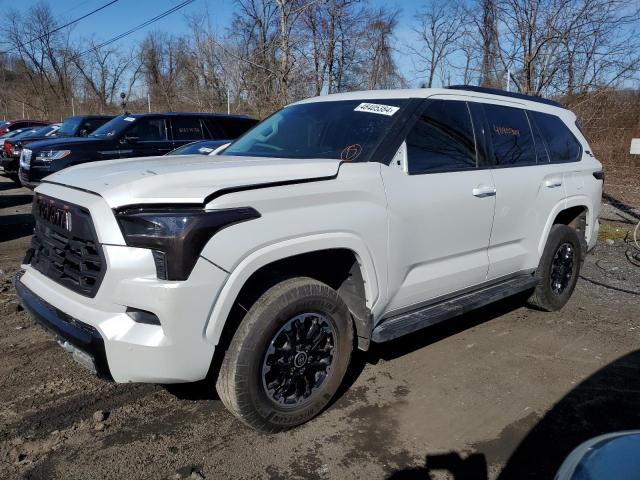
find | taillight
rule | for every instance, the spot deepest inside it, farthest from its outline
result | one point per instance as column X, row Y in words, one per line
column 7, row 147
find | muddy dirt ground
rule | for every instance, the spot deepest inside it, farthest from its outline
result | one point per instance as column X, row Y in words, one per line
column 505, row 392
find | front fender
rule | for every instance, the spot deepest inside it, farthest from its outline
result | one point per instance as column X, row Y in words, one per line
column 279, row 251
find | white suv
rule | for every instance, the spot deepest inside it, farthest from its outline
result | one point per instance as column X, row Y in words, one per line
column 338, row 221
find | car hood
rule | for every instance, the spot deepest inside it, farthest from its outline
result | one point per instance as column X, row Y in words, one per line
column 186, row 178
column 68, row 143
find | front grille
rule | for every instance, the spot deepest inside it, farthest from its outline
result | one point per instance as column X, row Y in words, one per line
column 64, row 246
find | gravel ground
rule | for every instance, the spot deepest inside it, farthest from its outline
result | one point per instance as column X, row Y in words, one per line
column 505, row 392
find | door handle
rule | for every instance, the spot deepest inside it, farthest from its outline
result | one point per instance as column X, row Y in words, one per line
column 553, row 183
column 483, row 192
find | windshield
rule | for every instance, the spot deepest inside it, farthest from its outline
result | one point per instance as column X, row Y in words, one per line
column 41, row 132
column 24, row 134
column 113, row 126
column 69, row 127
column 12, row 134
column 349, row 130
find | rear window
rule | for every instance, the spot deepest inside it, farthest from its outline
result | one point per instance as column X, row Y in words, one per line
column 510, row 135
column 561, row 144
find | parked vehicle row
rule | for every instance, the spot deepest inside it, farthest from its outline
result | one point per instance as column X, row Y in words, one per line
column 339, row 221
column 127, row 136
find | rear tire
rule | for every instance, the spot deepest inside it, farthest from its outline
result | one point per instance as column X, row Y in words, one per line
column 558, row 269
column 288, row 356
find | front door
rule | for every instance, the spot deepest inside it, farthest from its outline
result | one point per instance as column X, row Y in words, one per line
column 441, row 209
column 147, row 137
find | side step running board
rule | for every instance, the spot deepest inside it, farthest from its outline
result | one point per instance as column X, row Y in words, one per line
column 397, row 326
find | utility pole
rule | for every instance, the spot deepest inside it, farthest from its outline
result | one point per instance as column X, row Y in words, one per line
column 149, row 101
column 22, row 109
column 508, row 80
column 73, row 108
column 228, row 101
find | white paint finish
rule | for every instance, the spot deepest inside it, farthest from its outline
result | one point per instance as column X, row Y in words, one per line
column 438, row 233
column 635, row 146
column 347, row 212
column 176, row 351
column 525, row 197
column 416, row 237
column 184, row 178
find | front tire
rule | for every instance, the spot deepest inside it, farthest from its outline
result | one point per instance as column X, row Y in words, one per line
column 558, row 269
column 288, row 356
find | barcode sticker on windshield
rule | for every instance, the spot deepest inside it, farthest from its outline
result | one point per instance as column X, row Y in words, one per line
column 376, row 108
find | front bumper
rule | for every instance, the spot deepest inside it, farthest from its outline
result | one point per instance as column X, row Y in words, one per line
column 175, row 350
column 26, row 179
column 81, row 340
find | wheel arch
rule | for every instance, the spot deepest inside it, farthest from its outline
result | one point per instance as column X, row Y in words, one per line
column 570, row 211
column 363, row 278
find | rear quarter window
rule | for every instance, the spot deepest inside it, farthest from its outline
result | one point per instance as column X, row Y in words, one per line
column 511, row 136
column 561, row 144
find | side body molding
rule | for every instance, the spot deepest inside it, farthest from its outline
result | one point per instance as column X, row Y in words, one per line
column 281, row 250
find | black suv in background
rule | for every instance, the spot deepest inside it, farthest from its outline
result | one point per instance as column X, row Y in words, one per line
column 76, row 126
column 125, row 136
column 81, row 125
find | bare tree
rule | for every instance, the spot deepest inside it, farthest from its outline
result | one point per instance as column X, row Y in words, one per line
column 103, row 71
column 439, row 32
column 554, row 45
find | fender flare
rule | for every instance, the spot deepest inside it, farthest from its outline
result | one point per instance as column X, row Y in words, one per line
column 278, row 251
column 564, row 204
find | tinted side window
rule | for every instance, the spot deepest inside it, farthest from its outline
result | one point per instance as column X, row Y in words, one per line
column 187, row 128
column 18, row 125
column 510, row 135
column 148, row 130
column 561, row 144
column 542, row 155
column 442, row 139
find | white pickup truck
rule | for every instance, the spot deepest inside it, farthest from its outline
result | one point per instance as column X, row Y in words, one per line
column 338, row 221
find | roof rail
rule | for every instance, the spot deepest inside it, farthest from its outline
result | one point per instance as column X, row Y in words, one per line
column 504, row 93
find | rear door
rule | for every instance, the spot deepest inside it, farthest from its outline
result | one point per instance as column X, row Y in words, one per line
column 528, row 188
column 147, row 137
column 441, row 205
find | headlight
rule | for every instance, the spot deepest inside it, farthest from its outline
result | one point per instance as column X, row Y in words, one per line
column 178, row 235
column 25, row 158
column 48, row 155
